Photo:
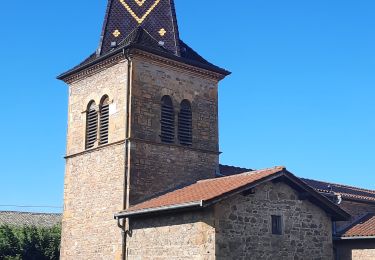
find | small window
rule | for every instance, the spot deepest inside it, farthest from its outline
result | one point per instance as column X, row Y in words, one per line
column 104, row 120
column 91, row 125
column 276, row 225
column 185, row 124
column 167, row 120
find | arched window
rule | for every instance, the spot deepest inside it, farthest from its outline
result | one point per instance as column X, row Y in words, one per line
column 104, row 121
column 91, row 125
column 185, row 135
column 167, row 120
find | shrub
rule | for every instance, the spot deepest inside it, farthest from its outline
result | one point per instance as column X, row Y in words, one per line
column 29, row 242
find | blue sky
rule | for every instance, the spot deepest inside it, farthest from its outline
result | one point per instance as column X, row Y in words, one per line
column 302, row 92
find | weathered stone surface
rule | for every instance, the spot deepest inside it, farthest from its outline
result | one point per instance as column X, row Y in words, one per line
column 243, row 226
column 94, row 180
column 94, row 184
column 110, row 81
column 180, row 236
column 364, row 254
column 156, row 166
column 239, row 228
column 152, row 81
column 155, row 169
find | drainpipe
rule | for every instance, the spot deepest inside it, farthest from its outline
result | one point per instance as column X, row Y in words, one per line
column 121, row 225
column 124, row 224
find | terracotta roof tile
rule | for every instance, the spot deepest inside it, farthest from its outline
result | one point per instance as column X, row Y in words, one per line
column 206, row 190
column 347, row 192
column 363, row 227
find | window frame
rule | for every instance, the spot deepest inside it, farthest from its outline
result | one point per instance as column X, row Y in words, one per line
column 277, row 225
column 167, row 120
column 103, row 136
column 91, row 133
column 185, row 126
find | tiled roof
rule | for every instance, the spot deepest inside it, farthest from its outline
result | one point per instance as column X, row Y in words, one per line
column 29, row 219
column 141, row 39
column 157, row 32
column 363, row 227
column 158, row 18
column 206, row 192
column 347, row 192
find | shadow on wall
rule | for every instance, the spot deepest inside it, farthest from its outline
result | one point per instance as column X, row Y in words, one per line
column 362, row 249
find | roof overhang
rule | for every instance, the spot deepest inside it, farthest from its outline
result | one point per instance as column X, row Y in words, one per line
column 346, row 197
column 334, row 211
column 174, row 208
column 354, row 238
column 134, row 46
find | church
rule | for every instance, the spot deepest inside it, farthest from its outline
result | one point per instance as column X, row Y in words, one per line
column 143, row 178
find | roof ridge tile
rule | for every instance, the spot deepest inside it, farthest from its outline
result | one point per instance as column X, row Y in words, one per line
column 342, row 185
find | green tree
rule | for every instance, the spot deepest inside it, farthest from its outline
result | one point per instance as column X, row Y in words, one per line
column 10, row 246
column 29, row 243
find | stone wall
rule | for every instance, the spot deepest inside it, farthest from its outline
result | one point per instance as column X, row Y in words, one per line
column 94, row 187
column 189, row 236
column 155, row 166
column 237, row 228
column 154, row 80
column 158, row 168
column 363, row 254
column 94, row 179
column 243, row 229
column 110, row 81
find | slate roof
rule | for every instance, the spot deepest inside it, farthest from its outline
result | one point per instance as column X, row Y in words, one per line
column 142, row 40
column 206, row 192
column 124, row 16
column 347, row 192
column 363, row 227
column 29, row 219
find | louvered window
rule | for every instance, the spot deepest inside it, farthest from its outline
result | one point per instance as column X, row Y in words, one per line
column 185, row 134
column 104, row 121
column 91, row 125
column 167, row 120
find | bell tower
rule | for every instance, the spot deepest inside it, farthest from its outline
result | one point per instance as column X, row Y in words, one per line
column 142, row 120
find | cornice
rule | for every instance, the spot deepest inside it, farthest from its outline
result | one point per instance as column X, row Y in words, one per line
column 95, row 68
column 95, row 149
column 177, row 65
column 177, row 146
column 138, row 140
column 114, row 57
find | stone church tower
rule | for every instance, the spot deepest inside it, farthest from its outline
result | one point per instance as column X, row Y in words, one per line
column 142, row 120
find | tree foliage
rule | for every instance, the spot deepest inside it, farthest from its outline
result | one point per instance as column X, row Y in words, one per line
column 29, row 243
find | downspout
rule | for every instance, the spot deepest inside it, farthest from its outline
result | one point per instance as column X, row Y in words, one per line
column 124, row 224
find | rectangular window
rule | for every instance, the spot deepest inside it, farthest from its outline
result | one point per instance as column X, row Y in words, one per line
column 276, row 225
